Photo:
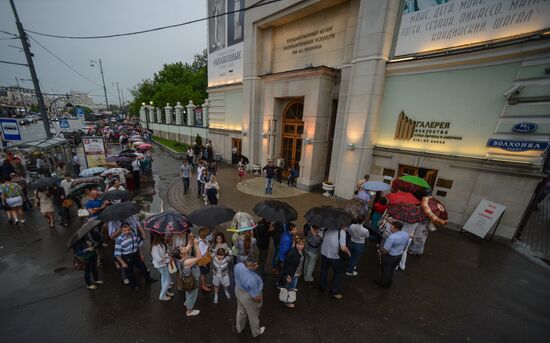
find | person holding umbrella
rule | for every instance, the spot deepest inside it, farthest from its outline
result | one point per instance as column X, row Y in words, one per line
column 334, row 241
column 85, row 249
column 161, row 259
column 391, row 253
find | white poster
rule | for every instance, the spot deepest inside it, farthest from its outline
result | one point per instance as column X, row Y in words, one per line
column 225, row 41
column 94, row 150
column 484, row 218
column 428, row 25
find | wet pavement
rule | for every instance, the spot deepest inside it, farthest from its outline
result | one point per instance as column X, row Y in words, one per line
column 459, row 290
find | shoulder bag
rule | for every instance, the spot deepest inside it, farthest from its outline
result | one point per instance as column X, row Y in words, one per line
column 287, row 295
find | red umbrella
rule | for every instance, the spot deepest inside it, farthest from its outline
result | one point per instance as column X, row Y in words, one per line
column 408, row 213
column 402, row 197
column 435, row 210
column 145, row 146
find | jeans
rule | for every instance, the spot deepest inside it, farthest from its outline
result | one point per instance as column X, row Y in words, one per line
column 185, row 185
column 337, row 269
column 200, row 189
column 268, row 185
column 357, row 250
column 309, row 265
column 90, row 268
column 164, row 281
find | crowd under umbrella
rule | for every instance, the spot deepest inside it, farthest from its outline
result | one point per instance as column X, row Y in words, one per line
column 145, row 146
column 211, row 216
column 242, row 222
column 44, row 182
column 82, row 232
column 167, row 223
column 91, row 171
column 276, row 211
column 127, row 151
column 118, row 211
column 435, row 210
column 115, row 195
column 376, row 186
column 328, row 217
column 115, row 171
column 402, row 197
column 405, row 212
column 118, row 159
column 80, row 189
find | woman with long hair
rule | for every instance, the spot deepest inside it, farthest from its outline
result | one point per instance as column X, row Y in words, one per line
column 220, row 243
column 44, row 199
column 245, row 246
column 189, row 271
column 161, row 259
column 212, row 190
column 293, row 268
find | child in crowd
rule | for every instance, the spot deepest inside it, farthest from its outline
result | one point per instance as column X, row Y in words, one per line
column 220, row 273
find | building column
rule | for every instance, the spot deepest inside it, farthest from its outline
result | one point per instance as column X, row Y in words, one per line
column 159, row 116
column 179, row 113
column 142, row 117
column 168, row 113
column 205, row 118
column 376, row 25
column 191, row 113
column 152, row 114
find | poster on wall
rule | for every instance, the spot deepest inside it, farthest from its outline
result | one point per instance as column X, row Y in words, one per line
column 94, row 150
column 225, row 41
column 484, row 218
column 428, row 25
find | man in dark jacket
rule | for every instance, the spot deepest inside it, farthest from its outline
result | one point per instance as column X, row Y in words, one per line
column 262, row 241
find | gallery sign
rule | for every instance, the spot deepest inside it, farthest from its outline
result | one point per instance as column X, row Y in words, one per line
column 525, row 127
column 444, row 24
column 434, row 132
column 225, row 41
column 516, row 145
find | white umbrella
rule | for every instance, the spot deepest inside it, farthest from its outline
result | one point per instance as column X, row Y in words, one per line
column 115, row 171
column 242, row 221
column 376, row 186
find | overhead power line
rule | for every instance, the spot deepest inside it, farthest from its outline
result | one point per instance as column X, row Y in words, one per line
column 15, row 63
column 257, row 4
column 9, row 33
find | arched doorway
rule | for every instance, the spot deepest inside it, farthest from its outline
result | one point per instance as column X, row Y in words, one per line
column 293, row 128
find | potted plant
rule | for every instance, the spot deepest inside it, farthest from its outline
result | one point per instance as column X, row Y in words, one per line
column 328, row 187
column 256, row 169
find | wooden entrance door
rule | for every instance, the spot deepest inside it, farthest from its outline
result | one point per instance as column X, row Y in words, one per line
column 293, row 128
column 430, row 175
column 237, row 142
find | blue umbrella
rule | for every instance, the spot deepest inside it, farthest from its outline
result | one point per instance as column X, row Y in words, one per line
column 91, row 171
column 376, row 186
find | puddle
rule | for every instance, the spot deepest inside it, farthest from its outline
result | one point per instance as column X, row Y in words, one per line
column 150, row 201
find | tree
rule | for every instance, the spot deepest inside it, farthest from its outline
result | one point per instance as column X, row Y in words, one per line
column 174, row 82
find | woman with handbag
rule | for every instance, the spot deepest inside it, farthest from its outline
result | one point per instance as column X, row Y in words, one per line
column 292, row 270
column 204, row 263
column 161, row 260
column 12, row 200
column 212, row 190
column 44, row 199
column 189, row 271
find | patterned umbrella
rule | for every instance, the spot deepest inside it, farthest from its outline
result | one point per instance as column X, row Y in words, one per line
column 435, row 210
column 242, row 221
column 211, row 216
column 400, row 197
column 409, row 213
column 274, row 210
column 115, row 171
column 167, row 222
column 328, row 217
column 92, row 171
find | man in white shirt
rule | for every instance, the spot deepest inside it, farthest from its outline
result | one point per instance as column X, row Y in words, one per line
column 200, row 185
column 135, row 172
column 333, row 242
column 76, row 164
column 66, row 184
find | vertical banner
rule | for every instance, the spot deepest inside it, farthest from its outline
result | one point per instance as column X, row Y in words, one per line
column 225, row 41
column 94, row 150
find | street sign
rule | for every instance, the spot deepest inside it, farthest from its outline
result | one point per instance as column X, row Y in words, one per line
column 64, row 124
column 79, row 112
column 516, row 145
column 10, row 129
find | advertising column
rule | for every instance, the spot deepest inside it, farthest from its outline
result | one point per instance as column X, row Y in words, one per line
column 94, row 150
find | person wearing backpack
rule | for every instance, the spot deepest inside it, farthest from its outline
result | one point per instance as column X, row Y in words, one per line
column 189, row 271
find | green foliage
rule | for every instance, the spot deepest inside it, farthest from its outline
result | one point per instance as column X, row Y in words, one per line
column 177, row 146
column 198, row 140
column 175, row 82
column 34, row 108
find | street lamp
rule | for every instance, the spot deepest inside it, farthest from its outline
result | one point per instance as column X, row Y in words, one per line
column 92, row 64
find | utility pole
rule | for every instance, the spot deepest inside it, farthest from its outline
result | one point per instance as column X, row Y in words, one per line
column 103, row 79
column 21, row 95
column 119, row 100
column 28, row 55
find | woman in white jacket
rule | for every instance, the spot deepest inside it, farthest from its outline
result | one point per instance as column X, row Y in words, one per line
column 161, row 258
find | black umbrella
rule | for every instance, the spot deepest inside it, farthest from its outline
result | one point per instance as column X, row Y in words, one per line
column 276, row 211
column 211, row 216
column 44, row 182
column 115, row 195
column 127, row 151
column 127, row 154
column 83, row 231
column 80, row 189
column 118, row 159
column 328, row 217
column 245, row 159
column 118, row 211
column 167, row 222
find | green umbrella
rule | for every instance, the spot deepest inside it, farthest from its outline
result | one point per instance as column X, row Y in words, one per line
column 415, row 180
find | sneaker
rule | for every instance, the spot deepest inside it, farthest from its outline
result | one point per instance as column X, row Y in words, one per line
column 99, row 282
column 262, row 330
column 23, row 221
column 337, row 296
column 91, row 287
column 227, row 295
column 193, row 313
column 166, row 298
column 126, row 281
column 170, row 294
column 352, row 274
column 17, row 222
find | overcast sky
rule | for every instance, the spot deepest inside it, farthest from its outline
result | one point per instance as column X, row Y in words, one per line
column 127, row 60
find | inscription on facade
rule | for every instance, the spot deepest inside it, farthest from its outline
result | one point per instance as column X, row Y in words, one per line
column 309, row 41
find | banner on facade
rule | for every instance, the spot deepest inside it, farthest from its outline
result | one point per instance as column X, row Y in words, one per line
column 428, row 25
column 94, row 150
column 484, row 218
column 225, row 41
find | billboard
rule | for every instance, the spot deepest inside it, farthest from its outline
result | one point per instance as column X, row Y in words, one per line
column 94, row 150
column 428, row 25
column 225, row 41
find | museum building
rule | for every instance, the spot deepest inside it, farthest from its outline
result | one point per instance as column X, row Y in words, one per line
column 456, row 92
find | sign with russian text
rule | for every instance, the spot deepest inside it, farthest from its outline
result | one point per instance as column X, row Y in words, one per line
column 10, row 129
column 443, row 24
column 516, row 145
column 94, row 150
column 484, row 218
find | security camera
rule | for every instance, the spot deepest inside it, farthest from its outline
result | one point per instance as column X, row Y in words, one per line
column 515, row 89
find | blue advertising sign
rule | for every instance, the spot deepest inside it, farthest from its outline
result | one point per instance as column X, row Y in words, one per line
column 516, row 145
column 10, row 129
column 64, row 124
column 79, row 112
column 525, row 127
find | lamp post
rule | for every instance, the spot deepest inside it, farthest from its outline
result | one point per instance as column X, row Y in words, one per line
column 102, row 78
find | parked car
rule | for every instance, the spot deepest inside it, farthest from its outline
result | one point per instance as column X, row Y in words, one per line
column 25, row 121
